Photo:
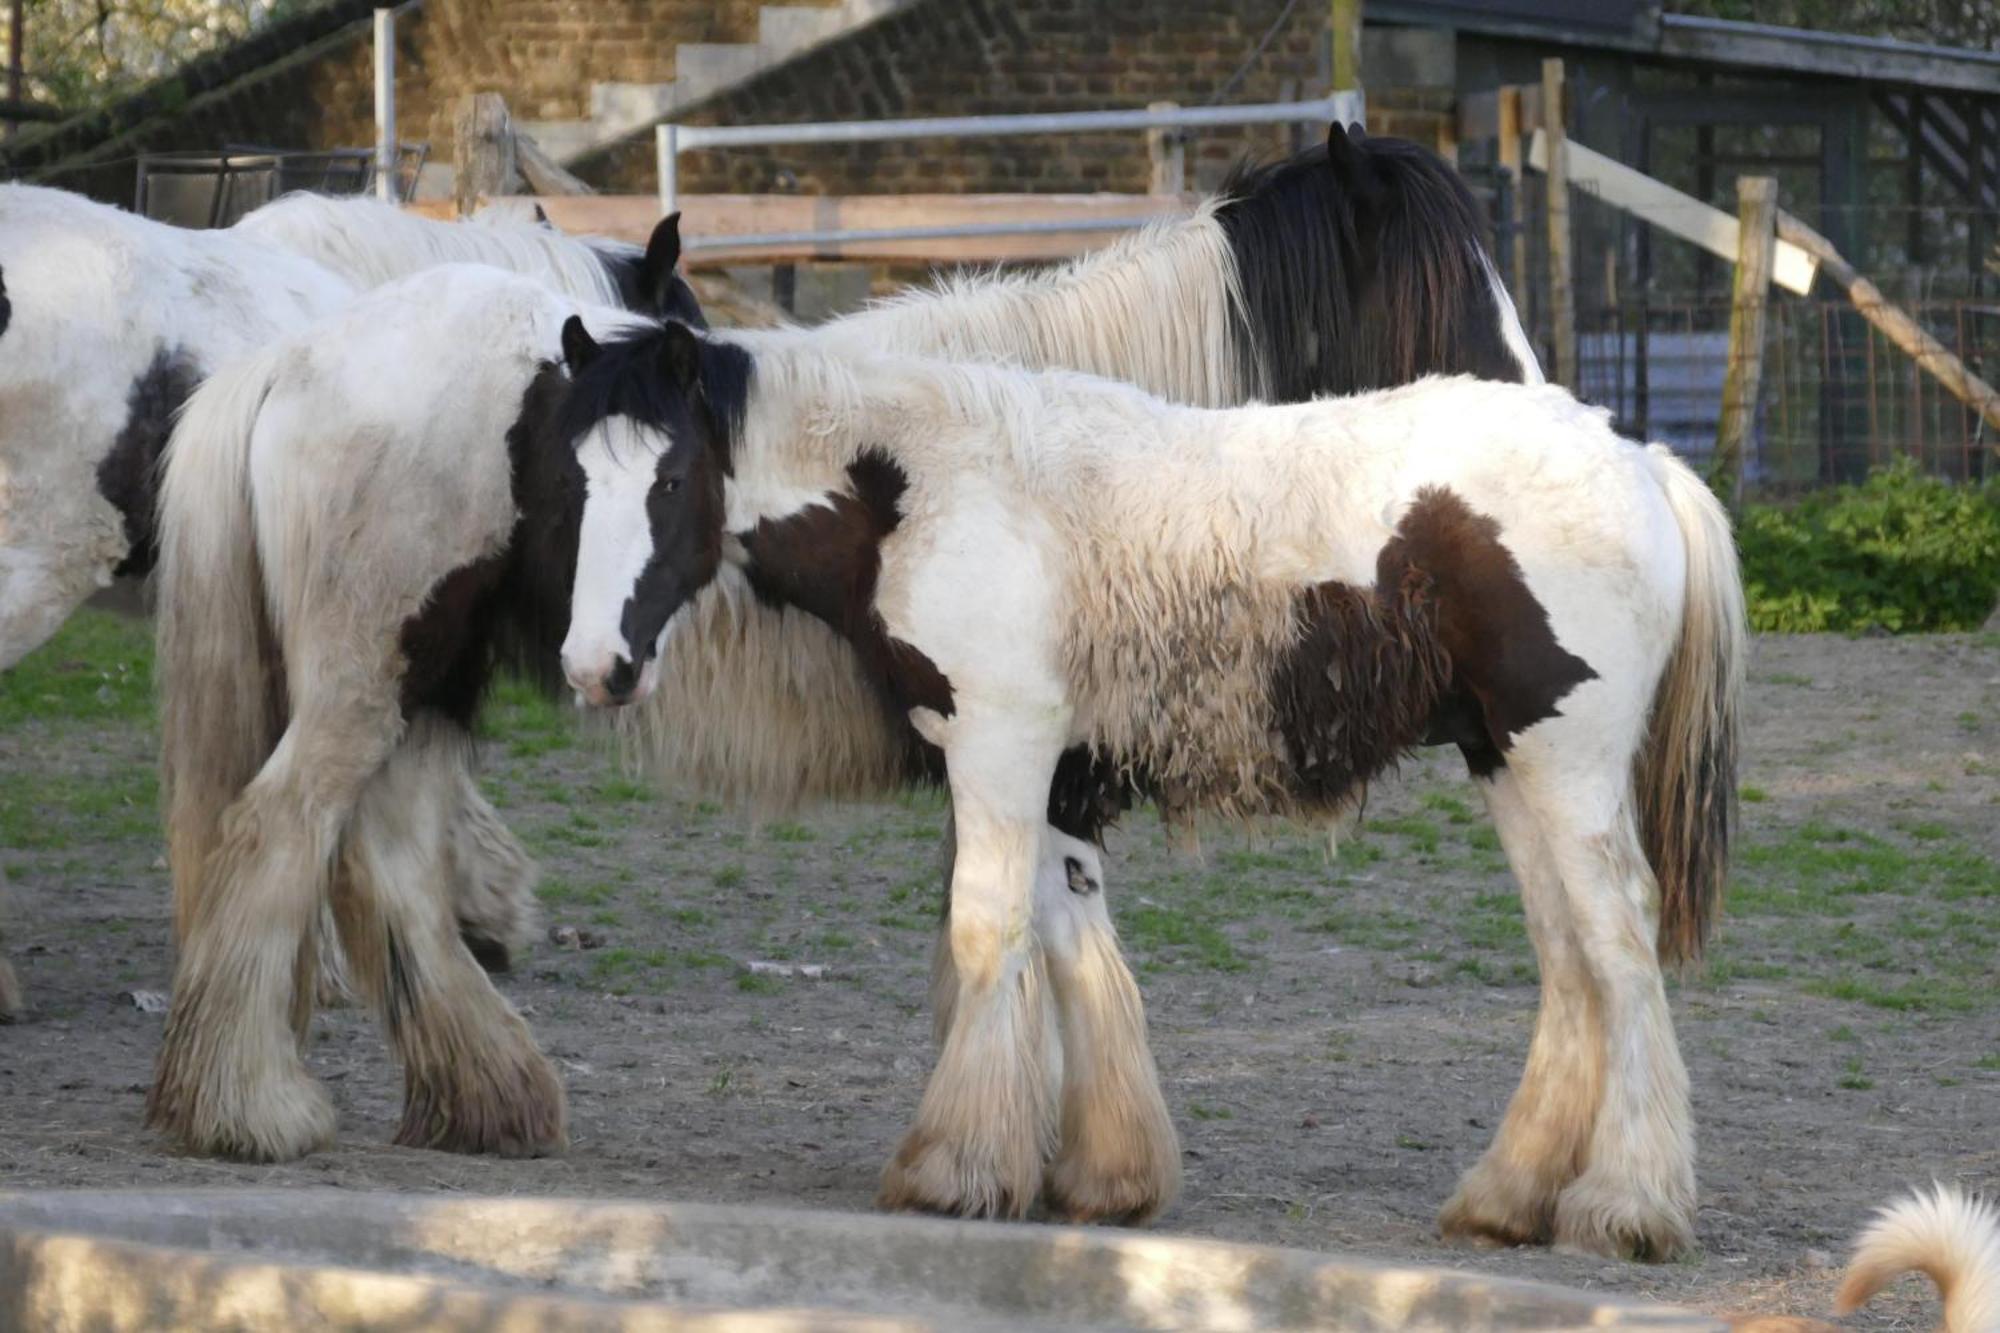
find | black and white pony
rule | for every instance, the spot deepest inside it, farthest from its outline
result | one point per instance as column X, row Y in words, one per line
column 1244, row 611
column 761, row 701
column 109, row 320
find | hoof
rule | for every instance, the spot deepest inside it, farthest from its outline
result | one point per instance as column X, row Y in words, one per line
column 931, row 1176
column 1623, row 1221
column 514, row 1111
column 280, row 1119
column 1495, row 1207
column 1074, row 1192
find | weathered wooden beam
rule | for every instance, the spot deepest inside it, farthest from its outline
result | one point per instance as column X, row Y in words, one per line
column 543, row 173
column 1508, row 129
column 720, row 216
column 1757, row 207
column 1915, row 341
column 1562, row 278
column 1665, row 207
column 1346, row 25
column 482, row 151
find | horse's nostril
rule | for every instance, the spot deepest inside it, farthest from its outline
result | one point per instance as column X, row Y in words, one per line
column 624, row 677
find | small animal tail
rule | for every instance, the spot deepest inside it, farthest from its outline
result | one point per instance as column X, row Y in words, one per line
column 219, row 670
column 1952, row 1239
column 1686, row 779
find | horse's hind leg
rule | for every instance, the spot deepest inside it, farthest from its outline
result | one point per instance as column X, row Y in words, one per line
column 492, row 880
column 1117, row 1156
column 473, row 1080
column 1509, row 1197
column 1635, row 1196
column 229, row 1080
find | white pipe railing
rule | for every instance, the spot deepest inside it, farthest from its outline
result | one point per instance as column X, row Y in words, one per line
column 671, row 140
column 385, row 106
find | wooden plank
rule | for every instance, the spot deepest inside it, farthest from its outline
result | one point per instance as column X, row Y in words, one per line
column 1345, row 16
column 1757, row 209
column 482, row 152
column 1562, row 279
column 1668, row 209
column 1932, row 356
column 703, row 216
column 1507, row 129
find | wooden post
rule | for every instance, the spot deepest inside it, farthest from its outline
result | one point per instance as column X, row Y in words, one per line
column 482, row 151
column 1346, row 44
column 1931, row 355
column 1509, row 108
column 1167, row 150
column 1756, row 245
column 1562, row 278
column 543, row 173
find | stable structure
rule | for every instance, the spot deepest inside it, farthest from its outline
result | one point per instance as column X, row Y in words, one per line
column 1889, row 150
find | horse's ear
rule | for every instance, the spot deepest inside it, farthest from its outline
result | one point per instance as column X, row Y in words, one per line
column 656, row 270
column 1354, row 170
column 680, row 354
column 578, row 347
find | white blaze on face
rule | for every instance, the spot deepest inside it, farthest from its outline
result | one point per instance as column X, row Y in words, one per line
column 618, row 458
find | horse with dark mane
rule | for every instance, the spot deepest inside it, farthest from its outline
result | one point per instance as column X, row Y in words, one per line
column 759, row 699
column 1247, row 611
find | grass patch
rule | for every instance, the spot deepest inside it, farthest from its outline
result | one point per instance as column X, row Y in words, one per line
column 1165, row 937
column 98, row 668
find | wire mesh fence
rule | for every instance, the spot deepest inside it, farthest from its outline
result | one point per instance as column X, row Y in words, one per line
column 1837, row 399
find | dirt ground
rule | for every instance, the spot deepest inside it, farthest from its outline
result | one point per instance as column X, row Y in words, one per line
column 1337, row 1039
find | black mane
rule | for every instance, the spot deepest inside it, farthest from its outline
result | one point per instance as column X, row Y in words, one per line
column 1361, row 270
column 627, row 377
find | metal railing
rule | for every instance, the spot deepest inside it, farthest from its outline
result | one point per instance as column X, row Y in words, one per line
column 671, row 140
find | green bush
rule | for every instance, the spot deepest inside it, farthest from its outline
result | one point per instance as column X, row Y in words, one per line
column 1901, row 552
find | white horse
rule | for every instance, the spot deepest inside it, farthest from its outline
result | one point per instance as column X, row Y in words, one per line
column 1248, row 611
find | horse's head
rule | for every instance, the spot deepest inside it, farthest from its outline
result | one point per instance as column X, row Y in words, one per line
column 651, row 283
column 652, row 417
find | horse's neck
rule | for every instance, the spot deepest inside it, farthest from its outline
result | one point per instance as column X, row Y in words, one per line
column 1156, row 310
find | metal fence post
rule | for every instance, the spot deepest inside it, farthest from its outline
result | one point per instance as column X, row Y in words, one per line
column 385, row 105
column 667, row 148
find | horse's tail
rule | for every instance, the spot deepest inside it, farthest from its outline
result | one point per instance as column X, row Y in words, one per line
column 218, row 670
column 1952, row 1239
column 1686, row 777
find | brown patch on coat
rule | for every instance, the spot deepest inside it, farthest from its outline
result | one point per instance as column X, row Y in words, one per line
column 447, row 645
column 1506, row 665
column 825, row 560
column 1358, row 687
column 1448, row 647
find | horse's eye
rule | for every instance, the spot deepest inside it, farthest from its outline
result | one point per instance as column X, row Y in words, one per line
column 671, row 484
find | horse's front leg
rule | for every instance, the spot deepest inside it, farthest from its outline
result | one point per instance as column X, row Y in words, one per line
column 983, row 1128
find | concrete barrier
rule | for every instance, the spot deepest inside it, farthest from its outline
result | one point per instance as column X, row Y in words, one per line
column 332, row 1259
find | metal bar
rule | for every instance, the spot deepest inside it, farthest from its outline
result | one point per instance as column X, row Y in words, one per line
column 834, row 238
column 667, row 149
column 1344, row 106
column 385, row 105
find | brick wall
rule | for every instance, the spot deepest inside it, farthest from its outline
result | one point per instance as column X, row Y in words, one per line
column 940, row 57
column 981, row 57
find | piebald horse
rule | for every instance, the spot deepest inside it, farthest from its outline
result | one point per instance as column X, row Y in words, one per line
column 1246, row 611
column 109, row 320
